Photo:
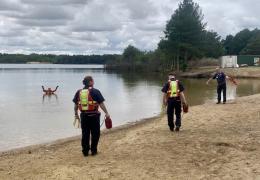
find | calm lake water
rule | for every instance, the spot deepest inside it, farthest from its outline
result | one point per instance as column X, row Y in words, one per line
column 27, row 117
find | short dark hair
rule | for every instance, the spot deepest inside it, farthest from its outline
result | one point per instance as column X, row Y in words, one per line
column 86, row 80
column 171, row 76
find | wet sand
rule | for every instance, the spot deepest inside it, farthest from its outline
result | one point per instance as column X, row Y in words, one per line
column 215, row 142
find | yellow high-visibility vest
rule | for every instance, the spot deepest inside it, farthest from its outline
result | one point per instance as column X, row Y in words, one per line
column 173, row 89
column 86, row 103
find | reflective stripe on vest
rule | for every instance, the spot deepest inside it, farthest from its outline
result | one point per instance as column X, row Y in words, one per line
column 86, row 102
column 173, row 89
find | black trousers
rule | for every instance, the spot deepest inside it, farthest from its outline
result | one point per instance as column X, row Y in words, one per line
column 174, row 106
column 90, row 125
column 221, row 88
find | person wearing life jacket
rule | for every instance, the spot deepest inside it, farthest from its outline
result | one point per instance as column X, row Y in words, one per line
column 87, row 101
column 49, row 91
column 222, row 86
column 173, row 98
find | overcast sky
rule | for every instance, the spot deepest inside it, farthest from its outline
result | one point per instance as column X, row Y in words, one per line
column 107, row 26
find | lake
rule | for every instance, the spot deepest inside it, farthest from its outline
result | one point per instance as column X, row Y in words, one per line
column 27, row 117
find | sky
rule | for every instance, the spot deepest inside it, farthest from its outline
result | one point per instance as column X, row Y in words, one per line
column 107, row 26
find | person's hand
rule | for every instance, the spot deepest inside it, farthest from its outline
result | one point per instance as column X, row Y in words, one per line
column 207, row 83
column 76, row 122
column 165, row 102
column 76, row 116
column 107, row 115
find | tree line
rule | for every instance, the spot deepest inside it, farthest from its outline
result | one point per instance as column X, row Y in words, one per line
column 57, row 59
column 185, row 40
column 245, row 42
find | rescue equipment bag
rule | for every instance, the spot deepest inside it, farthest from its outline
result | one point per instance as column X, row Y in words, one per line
column 108, row 122
column 185, row 108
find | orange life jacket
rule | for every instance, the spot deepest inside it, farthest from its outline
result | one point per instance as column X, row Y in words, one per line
column 86, row 102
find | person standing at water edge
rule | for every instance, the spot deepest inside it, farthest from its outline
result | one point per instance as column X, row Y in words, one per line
column 88, row 100
column 222, row 86
column 172, row 97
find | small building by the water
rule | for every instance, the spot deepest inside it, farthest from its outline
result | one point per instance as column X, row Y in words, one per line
column 239, row 61
column 228, row 61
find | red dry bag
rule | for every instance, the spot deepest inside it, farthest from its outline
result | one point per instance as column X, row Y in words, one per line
column 108, row 122
column 185, row 108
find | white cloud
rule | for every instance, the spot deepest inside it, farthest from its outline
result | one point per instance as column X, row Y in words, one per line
column 140, row 9
column 54, row 2
column 10, row 5
column 100, row 26
column 96, row 17
column 229, row 17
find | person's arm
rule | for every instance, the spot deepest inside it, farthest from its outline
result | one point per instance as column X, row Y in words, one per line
column 76, row 111
column 43, row 89
column 103, row 107
column 209, row 80
column 165, row 99
column 214, row 77
column 97, row 96
column 75, row 100
column 55, row 89
column 183, row 99
column 182, row 96
column 232, row 79
column 165, row 96
column 76, row 122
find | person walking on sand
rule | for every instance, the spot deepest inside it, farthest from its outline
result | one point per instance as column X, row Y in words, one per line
column 222, row 86
column 87, row 101
column 173, row 97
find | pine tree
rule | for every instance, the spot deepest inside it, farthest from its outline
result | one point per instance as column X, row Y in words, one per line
column 184, row 33
column 253, row 46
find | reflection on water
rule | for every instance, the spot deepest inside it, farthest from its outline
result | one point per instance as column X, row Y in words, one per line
column 50, row 66
column 248, row 87
column 28, row 117
column 51, row 98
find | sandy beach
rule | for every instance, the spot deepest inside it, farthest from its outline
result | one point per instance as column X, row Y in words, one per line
column 215, row 142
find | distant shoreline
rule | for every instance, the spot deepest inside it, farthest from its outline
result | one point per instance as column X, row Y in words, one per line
column 37, row 62
column 202, row 72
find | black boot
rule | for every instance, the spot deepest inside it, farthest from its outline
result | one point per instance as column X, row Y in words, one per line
column 85, row 153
